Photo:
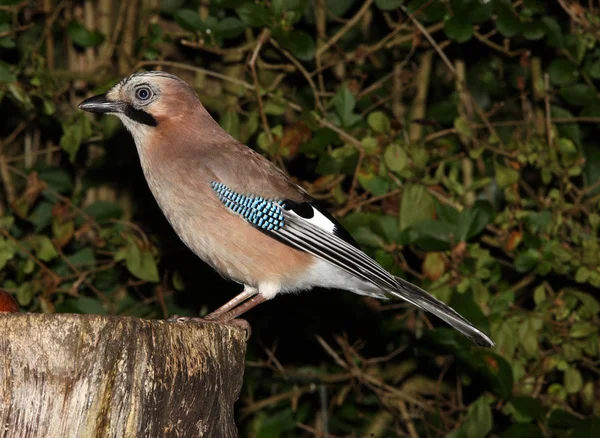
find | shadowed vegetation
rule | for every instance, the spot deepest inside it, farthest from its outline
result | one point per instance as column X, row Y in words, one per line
column 457, row 140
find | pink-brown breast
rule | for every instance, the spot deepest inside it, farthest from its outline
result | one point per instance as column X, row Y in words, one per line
column 217, row 235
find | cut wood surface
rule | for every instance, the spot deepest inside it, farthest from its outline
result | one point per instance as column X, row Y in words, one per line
column 64, row 375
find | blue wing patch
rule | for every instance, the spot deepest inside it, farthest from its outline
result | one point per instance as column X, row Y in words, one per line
column 266, row 214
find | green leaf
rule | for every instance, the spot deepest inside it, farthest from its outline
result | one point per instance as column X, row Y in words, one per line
column 533, row 31
column 479, row 417
column 230, row 27
column 84, row 256
column 457, row 30
column 562, row 72
column 417, row 205
column 379, row 122
column 587, row 428
column 339, row 7
column 527, row 260
column 388, row 5
column 499, row 373
column 553, row 32
column 432, row 235
column 256, row 15
column 573, row 381
column 507, row 21
column 461, row 124
column 85, row 305
column 562, row 419
column 593, row 69
column 141, row 263
column 189, row 20
column 7, row 251
column 589, row 305
column 230, row 122
column 57, row 179
column 103, row 211
column 73, row 135
column 301, row 44
column 387, row 226
column 427, row 10
column 447, row 213
column 505, row 338
column 43, row 248
column 170, row 6
column 472, row 221
column 578, row 94
column 582, row 275
column 24, row 294
column 505, row 176
column 375, row 184
column 472, row 11
column 528, row 337
column 41, row 217
column 366, row 237
column 276, row 104
column 538, row 221
column 395, row 158
column 6, row 75
column 344, row 103
column 83, row 37
column 528, row 406
column 178, row 282
column 569, row 130
column 582, row 329
column 522, row 430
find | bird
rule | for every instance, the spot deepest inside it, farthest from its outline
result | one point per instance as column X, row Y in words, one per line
column 239, row 212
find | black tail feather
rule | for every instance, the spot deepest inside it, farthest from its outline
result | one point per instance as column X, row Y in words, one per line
column 417, row 296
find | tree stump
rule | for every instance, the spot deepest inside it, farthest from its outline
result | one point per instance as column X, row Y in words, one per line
column 80, row 376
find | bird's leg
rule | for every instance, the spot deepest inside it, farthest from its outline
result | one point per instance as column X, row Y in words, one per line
column 242, row 308
column 266, row 291
column 228, row 313
column 248, row 292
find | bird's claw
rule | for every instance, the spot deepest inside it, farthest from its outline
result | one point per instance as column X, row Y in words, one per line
column 182, row 319
column 240, row 323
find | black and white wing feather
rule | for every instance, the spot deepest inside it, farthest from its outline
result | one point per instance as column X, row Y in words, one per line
column 306, row 227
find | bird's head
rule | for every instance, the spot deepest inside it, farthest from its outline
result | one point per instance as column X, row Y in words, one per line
column 147, row 103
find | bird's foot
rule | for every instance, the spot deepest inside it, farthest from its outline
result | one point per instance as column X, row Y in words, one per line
column 240, row 323
column 177, row 318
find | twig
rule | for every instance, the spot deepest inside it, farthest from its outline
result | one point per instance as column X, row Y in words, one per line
column 304, row 73
column 444, row 58
column 260, row 405
column 43, row 267
column 207, row 72
column 62, row 198
column 350, row 24
column 47, row 30
column 419, row 105
column 547, row 107
column 264, row 36
column 538, row 94
column 498, row 47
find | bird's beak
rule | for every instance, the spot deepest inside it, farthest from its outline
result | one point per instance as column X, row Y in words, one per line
column 100, row 104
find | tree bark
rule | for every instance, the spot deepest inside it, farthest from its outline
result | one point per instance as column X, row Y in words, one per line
column 85, row 376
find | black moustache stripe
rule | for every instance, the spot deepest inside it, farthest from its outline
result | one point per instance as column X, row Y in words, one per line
column 138, row 115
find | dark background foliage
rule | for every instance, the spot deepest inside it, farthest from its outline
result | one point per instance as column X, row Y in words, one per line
column 456, row 140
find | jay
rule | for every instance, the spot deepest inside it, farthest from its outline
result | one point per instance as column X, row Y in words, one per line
column 240, row 213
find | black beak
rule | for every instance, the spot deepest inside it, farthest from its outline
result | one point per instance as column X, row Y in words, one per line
column 100, row 104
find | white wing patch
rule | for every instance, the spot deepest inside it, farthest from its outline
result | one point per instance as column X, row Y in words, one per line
column 318, row 220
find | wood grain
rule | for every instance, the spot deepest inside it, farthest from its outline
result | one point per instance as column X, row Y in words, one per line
column 68, row 375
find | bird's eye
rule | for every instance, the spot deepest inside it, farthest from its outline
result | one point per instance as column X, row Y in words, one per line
column 143, row 93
